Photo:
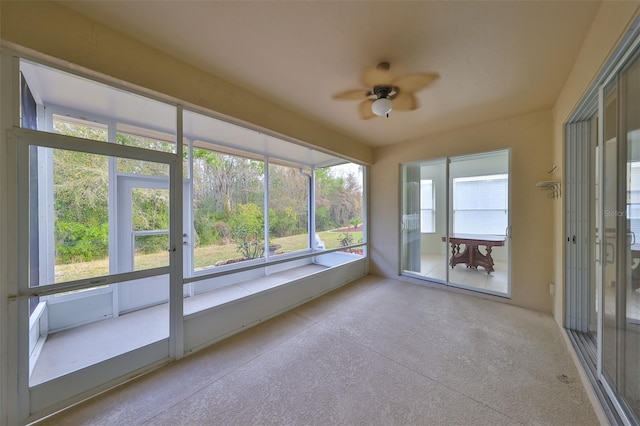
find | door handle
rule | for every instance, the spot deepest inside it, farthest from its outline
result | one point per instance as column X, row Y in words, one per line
column 606, row 253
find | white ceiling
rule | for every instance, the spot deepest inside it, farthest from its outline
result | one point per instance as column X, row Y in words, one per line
column 495, row 58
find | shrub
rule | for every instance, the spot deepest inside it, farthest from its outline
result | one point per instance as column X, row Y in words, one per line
column 222, row 231
column 346, row 239
column 355, row 221
column 283, row 223
column 76, row 242
column 247, row 230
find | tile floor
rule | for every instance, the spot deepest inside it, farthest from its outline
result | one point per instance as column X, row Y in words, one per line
column 435, row 267
column 377, row 351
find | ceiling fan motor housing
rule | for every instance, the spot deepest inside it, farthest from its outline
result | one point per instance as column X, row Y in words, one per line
column 388, row 92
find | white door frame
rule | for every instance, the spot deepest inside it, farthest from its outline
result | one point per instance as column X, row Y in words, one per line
column 59, row 392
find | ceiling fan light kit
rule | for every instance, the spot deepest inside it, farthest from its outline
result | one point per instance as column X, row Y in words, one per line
column 381, row 106
column 386, row 92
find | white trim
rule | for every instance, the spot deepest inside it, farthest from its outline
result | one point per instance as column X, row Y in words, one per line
column 614, row 400
column 476, row 178
column 265, row 205
column 176, row 257
column 38, row 330
column 260, row 263
column 600, row 270
column 509, row 213
column 586, row 383
column 12, row 389
column 448, row 221
column 621, row 62
column 46, row 216
column 54, row 140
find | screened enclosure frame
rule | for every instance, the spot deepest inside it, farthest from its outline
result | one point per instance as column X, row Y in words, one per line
column 35, row 401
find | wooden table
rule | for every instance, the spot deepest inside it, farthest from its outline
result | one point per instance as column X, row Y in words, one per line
column 471, row 254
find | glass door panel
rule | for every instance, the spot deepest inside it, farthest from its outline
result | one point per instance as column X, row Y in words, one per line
column 410, row 221
column 621, row 272
column 594, row 227
column 610, row 206
column 479, row 222
column 424, row 251
column 433, row 220
column 630, row 279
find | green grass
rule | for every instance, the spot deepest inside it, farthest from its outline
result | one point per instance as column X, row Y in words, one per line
column 203, row 256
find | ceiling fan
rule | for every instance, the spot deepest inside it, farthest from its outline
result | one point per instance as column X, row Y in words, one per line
column 387, row 92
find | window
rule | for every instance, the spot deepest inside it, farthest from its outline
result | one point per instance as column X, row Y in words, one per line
column 288, row 209
column 78, row 128
column 142, row 138
column 338, row 206
column 228, row 214
column 633, row 201
column 78, row 187
column 427, row 207
column 480, row 204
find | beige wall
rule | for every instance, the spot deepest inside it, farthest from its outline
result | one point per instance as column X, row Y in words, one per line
column 609, row 26
column 53, row 30
column 536, row 139
column 529, row 137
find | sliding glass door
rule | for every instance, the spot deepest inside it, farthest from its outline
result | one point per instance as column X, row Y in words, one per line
column 455, row 221
column 479, row 221
column 621, row 252
column 424, row 220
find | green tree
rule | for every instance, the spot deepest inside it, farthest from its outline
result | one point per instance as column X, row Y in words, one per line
column 338, row 198
column 80, row 194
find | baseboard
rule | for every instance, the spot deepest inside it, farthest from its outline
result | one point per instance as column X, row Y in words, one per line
column 586, row 383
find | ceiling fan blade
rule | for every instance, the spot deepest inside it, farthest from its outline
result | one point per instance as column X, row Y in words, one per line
column 414, row 82
column 371, row 77
column 405, row 101
column 364, row 108
column 353, row 94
